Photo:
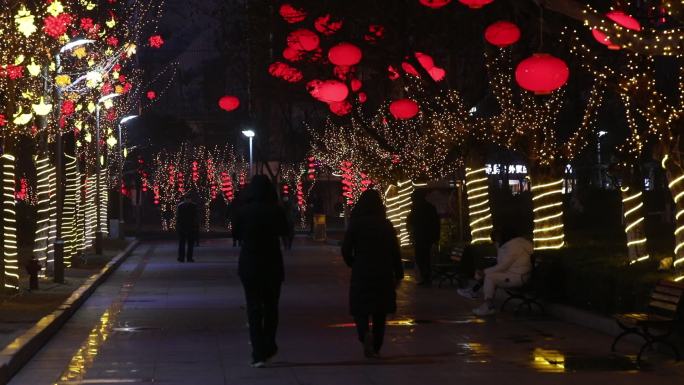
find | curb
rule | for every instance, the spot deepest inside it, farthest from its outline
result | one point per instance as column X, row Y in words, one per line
column 23, row 348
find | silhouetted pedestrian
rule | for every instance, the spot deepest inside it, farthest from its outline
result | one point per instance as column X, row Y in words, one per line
column 291, row 214
column 371, row 249
column 258, row 224
column 186, row 226
column 232, row 209
column 423, row 225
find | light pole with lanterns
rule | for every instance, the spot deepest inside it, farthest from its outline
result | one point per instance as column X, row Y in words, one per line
column 250, row 134
column 122, row 157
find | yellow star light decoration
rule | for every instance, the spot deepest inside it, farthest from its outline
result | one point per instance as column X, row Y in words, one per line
column 25, row 22
column 63, row 80
column 80, row 52
column 56, row 8
column 42, row 108
column 33, row 69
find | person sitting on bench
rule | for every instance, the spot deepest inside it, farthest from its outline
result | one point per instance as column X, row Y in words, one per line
column 513, row 264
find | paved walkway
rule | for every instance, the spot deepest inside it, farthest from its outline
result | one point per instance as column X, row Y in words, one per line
column 156, row 321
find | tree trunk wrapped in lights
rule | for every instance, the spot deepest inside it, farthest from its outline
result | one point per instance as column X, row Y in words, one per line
column 632, row 211
column 675, row 176
column 70, row 211
column 104, row 202
column 9, row 225
column 52, row 232
column 398, row 202
column 547, row 203
column 90, row 211
column 40, row 243
column 479, row 212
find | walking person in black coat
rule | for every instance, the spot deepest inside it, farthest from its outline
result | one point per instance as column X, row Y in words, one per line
column 371, row 249
column 186, row 226
column 258, row 224
column 423, row 225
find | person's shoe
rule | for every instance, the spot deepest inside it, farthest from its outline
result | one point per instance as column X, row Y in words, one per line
column 368, row 349
column 271, row 355
column 468, row 293
column 181, row 260
column 258, row 364
column 484, row 310
column 191, row 260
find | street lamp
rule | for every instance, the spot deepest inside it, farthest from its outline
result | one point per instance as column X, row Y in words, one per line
column 58, row 264
column 250, row 134
column 121, row 169
column 598, row 152
column 98, row 224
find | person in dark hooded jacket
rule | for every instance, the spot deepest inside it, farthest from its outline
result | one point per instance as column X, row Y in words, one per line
column 371, row 249
column 423, row 225
column 259, row 223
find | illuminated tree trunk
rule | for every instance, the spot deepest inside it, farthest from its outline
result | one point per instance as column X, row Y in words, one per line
column 9, row 224
column 632, row 211
column 675, row 177
column 479, row 211
column 40, row 243
column 104, row 202
column 52, row 231
column 547, row 203
column 398, row 202
column 70, row 211
column 90, row 211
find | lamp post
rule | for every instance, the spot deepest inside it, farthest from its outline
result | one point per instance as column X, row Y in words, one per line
column 121, row 169
column 98, row 225
column 58, row 264
column 250, row 134
column 601, row 134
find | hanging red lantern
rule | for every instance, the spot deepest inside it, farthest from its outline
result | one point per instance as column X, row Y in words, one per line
column 327, row 26
column 151, row 95
column 363, row 97
column 286, row 72
column 425, row 60
column 375, row 33
column 340, row 108
column 291, row 14
column 475, row 4
column 345, row 54
column 410, row 69
column 404, row 109
column 604, row 39
column 328, row 91
column 435, row 4
column 624, row 20
column 502, row 34
column 392, row 73
column 542, row 73
column 303, row 40
column 229, row 103
column 342, row 72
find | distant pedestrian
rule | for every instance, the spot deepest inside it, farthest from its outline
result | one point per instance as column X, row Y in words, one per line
column 233, row 208
column 371, row 249
column 291, row 214
column 258, row 224
column 423, row 226
column 186, row 226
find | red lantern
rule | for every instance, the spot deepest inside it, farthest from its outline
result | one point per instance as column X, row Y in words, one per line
column 291, row 14
column 286, row 72
column 362, row 97
column 151, row 95
column 624, row 20
column 435, row 4
column 475, row 4
column 345, row 54
column 604, row 39
column 229, row 103
column 542, row 73
column 404, row 109
column 410, row 69
column 375, row 33
column 502, row 34
column 328, row 91
column 340, row 108
column 392, row 73
column 303, row 40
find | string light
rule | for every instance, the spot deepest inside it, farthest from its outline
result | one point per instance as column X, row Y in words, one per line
column 632, row 206
column 40, row 243
column 9, row 224
column 479, row 213
column 548, row 215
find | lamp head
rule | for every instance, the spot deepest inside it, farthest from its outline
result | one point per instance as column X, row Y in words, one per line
column 107, row 97
column 75, row 43
column 127, row 119
column 249, row 133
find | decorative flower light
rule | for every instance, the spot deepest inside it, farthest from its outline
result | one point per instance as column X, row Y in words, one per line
column 502, row 34
column 435, row 4
column 542, row 73
column 229, row 103
column 375, row 33
column 403, row 109
column 55, row 8
column 291, row 14
column 56, row 26
column 345, row 54
column 604, row 39
column 156, row 41
column 21, row 119
column 33, row 68
column 327, row 26
column 25, row 22
column 475, row 4
column 111, row 141
column 3, row 120
column 151, row 95
column 42, row 109
column 93, row 79
column 624, row 20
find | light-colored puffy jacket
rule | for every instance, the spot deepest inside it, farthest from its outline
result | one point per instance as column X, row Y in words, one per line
column 513, row 257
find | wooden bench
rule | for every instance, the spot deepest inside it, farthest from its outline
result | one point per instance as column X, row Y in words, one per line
column 527, row 294
column 655, row 326
column 448, row 271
